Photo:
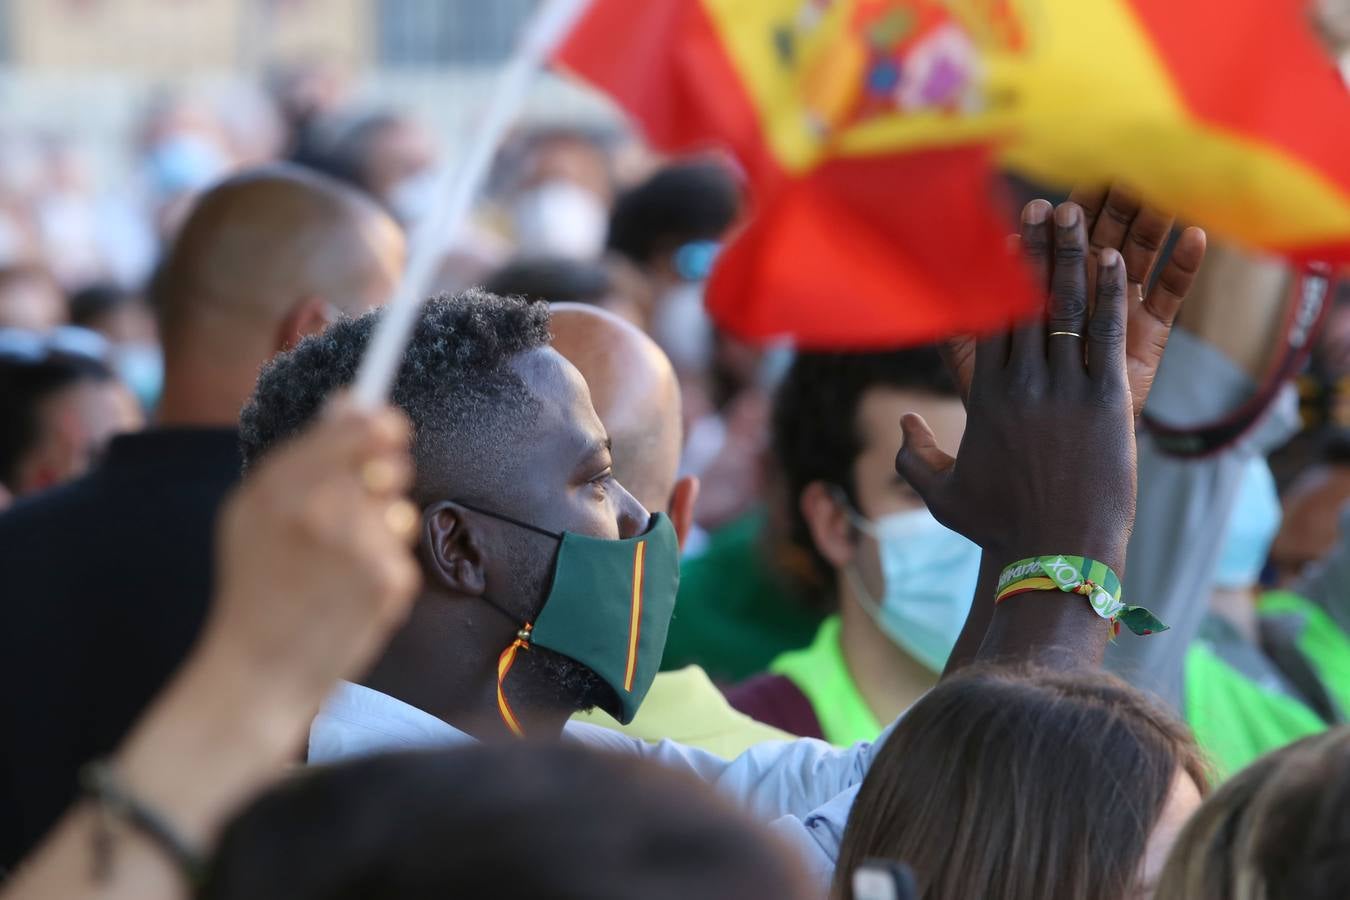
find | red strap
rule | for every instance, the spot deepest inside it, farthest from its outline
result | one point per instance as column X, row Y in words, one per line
column 1307, row 310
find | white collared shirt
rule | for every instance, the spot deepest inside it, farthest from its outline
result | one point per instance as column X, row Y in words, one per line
column 803, row 788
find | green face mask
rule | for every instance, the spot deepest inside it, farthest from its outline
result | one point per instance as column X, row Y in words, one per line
column 608, row 608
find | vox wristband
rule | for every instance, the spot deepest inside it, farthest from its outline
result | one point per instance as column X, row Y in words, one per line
column 1077, row 575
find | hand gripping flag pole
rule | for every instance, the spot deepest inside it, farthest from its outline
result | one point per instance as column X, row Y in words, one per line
column 456, row 187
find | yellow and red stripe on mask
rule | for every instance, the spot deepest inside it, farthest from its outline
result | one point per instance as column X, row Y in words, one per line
column 635, row 616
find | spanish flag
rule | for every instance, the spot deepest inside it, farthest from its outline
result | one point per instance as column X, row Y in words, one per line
column 870, row 132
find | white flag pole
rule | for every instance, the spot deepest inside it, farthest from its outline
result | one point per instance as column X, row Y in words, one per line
column 457, row 187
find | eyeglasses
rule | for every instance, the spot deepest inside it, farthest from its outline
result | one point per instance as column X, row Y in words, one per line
column 18, row 345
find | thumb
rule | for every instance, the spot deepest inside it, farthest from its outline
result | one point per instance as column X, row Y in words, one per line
column 920, row 461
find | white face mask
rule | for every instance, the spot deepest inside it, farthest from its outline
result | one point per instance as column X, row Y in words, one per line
column 411, row 198
column 559, row 218
column 141, row 366
column 681, row 327
column 930, row 576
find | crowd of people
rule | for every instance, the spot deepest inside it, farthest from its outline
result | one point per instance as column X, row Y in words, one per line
column 608, row 603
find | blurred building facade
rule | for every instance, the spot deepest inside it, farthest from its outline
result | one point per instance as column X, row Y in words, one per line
column 87, row 68
column 175, row 37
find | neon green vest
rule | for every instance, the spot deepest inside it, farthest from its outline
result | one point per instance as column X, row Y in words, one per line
column 1323, row 642
column 820, row 672
column 1235, row 719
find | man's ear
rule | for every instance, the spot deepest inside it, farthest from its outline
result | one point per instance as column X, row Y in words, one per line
column 831, row 531
column 681, row 506
column 453, row 552
column 310, row 316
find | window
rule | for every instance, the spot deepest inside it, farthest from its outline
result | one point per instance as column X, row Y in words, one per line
column 436, row 32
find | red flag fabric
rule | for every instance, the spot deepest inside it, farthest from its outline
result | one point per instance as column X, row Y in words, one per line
column 869, row 251
column 869, row 130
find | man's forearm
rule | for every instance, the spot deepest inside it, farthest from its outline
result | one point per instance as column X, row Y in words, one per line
column 216, row 734
column 1046, row 628
column 977, row 621
column 1054, row 629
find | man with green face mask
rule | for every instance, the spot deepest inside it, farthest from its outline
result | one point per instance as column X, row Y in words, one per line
column 548, row 587
column 561, row 578
column 637, row 397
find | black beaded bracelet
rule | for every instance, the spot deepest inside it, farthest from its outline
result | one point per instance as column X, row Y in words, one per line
column 101, row 784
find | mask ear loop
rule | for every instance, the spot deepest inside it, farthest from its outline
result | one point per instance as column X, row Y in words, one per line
column 522, row 641
column 860, row 524
column 504, row 663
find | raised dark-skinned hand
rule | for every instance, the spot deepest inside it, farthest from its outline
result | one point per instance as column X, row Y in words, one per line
column 1047, row 463
column 1116, row 219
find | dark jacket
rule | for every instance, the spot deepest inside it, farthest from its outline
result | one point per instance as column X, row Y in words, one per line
column 104, row 585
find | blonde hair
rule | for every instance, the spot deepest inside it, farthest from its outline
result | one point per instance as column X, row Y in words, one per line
column 1278, row 830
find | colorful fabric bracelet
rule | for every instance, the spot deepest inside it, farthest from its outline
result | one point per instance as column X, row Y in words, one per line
column 1077, row 575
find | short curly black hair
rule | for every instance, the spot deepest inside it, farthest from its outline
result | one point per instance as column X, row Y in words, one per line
column 816, row 438
column 456, row 385
column 691, row 200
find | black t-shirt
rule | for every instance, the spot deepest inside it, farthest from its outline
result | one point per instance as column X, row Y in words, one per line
column 104, row 585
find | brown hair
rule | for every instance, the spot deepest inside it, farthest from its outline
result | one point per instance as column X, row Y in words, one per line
column 1278, row 830
column 514, row 822
column 1007, row 784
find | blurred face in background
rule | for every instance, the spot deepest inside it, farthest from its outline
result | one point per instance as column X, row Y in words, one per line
column 308, row 89
column 561, row 203
column 65, row 209
column 75, row 426
column 1313, row 507
column 128, row 324
column 401, row 168
column 184, row 148
column 897, row 569
column 30, row 299
column 251, row 123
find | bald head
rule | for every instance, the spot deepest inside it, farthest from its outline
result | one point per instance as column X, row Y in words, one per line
column 634, row 391
column 258, row 244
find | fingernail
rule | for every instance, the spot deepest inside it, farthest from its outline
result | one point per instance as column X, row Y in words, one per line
column 1067, row 215
column 1034, row 212
column 1109, row 258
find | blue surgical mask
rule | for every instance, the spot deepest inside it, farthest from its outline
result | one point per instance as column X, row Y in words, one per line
column 184, row 162
column 141, row 367
column 1252, row 526
column 930, row 575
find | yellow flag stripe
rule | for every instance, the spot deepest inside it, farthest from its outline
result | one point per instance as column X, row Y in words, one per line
column 1086, row 98
column 1238, row 187
column 1060, row 79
